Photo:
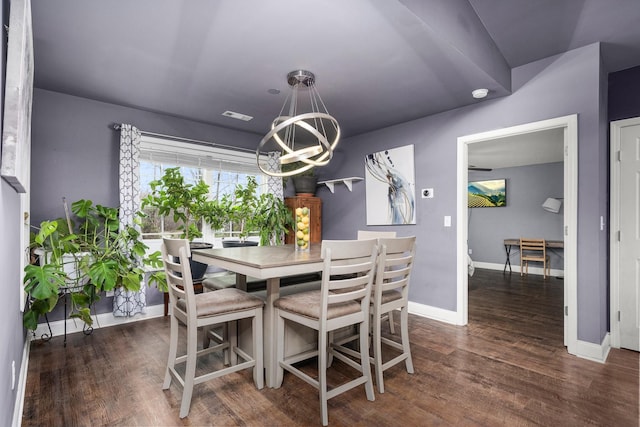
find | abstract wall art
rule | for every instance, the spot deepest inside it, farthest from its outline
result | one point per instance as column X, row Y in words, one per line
column 390, row 187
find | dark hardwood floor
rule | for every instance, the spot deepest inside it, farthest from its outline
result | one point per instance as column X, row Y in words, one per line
column 507, row 367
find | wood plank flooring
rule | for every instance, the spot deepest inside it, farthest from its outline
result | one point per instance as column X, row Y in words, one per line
column 507, row 367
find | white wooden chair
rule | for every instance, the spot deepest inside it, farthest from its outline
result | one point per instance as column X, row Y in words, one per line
column 342, row 301
column 390, row 293
column 534, row 250
column 366, row 234
column 195, row 311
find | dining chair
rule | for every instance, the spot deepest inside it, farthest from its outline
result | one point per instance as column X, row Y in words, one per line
column 534, row 250
column 342, row 301
column 390, row 293
column 196, row 311
column 366, row 234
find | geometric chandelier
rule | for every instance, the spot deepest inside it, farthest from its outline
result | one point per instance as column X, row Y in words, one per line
column 307, row 134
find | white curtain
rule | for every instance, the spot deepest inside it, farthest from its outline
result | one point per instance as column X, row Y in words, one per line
column 128, row 303
column 274, row 183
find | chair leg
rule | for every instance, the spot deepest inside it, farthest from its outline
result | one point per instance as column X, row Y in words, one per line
column 322, row 377
column 392, row 327
column 279, row 349
column 365, row 362
column 258, row 369
column 190, row 370
column 404, row 331
column 232, row 338
column 173, row 349
column 377, row 352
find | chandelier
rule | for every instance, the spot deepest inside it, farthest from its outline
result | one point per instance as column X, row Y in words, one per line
column 306, row 134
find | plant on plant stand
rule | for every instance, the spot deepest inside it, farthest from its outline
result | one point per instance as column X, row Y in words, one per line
column 86, row 260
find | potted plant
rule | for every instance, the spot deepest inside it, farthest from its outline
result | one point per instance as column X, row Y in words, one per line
column 264, row 215
column 188, row 205
column 305, row 182
column 85, row 259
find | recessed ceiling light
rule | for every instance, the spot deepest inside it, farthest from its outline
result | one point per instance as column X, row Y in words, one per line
column 238, row 116
column 274, row 91
column 480, row 93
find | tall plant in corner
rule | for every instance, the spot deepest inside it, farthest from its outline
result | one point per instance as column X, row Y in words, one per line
column 86, row 259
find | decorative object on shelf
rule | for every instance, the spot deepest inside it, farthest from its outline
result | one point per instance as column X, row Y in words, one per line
column 307, row 137
column 83, row 260
column 303, row 228
column 390, row 187
column 346, row 181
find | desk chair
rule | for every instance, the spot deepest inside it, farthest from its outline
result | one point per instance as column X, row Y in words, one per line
column 342, row 301
column 195, row 311
column 534, row 250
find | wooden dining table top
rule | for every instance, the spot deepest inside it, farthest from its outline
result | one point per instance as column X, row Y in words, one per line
column 263, row 261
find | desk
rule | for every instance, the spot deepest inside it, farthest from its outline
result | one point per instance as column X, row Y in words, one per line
column 269, row 263
column 508, row 243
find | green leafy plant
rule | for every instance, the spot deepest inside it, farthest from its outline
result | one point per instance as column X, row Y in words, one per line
column 187, row 204
column 86, row 259
column 265, row 215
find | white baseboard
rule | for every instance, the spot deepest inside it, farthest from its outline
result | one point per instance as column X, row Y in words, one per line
column 594, row 352
column 434, row 313
column 18, row 407
column 102, row 320
column 516, row 268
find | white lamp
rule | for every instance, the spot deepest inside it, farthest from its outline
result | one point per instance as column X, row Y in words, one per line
column 552, row 205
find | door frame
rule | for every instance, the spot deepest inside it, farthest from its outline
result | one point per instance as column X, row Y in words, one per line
column 614, row 227
column 570, row 126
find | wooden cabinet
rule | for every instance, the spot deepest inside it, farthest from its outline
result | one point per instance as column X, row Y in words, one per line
column 315, row 205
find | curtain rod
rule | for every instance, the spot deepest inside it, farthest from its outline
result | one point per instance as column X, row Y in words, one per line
column 192, row 141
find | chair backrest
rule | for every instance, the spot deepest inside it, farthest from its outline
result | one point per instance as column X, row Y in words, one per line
column 349, row 268
column 366, row 234
column 395, row 262
column 175, row 256
column 532, row 249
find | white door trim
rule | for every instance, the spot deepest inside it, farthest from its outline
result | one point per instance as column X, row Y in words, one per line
column 570, row 126
column 614, row 226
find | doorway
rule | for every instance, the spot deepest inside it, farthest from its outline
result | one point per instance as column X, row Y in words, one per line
column 569, row 126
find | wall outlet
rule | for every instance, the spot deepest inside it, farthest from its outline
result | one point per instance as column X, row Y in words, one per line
column 447, row 221
column 427, row 193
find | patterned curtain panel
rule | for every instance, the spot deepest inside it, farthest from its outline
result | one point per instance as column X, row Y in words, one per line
column 274, row 183
column 128, row 303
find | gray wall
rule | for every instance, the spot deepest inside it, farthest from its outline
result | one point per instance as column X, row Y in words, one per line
column 565, row 84
column 75, row 155
column 74, row 135
column 12, row 334
column 527, row 188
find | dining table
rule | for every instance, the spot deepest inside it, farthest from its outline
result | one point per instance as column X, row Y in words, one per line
column 270, row 263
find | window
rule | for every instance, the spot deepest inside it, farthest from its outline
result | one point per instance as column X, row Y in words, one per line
column 222, row 169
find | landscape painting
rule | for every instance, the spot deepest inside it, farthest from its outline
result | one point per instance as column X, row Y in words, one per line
column 488, row 194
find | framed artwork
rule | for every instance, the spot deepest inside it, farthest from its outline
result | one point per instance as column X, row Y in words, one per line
column 390, row 187
column 488, row 194
column 16, row 134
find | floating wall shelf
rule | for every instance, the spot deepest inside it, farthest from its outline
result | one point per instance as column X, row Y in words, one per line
column 347, row 181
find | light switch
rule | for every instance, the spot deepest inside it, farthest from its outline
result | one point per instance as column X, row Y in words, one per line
column 447, row 221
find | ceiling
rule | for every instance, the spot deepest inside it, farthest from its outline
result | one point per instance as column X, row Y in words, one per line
column 377, row 62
